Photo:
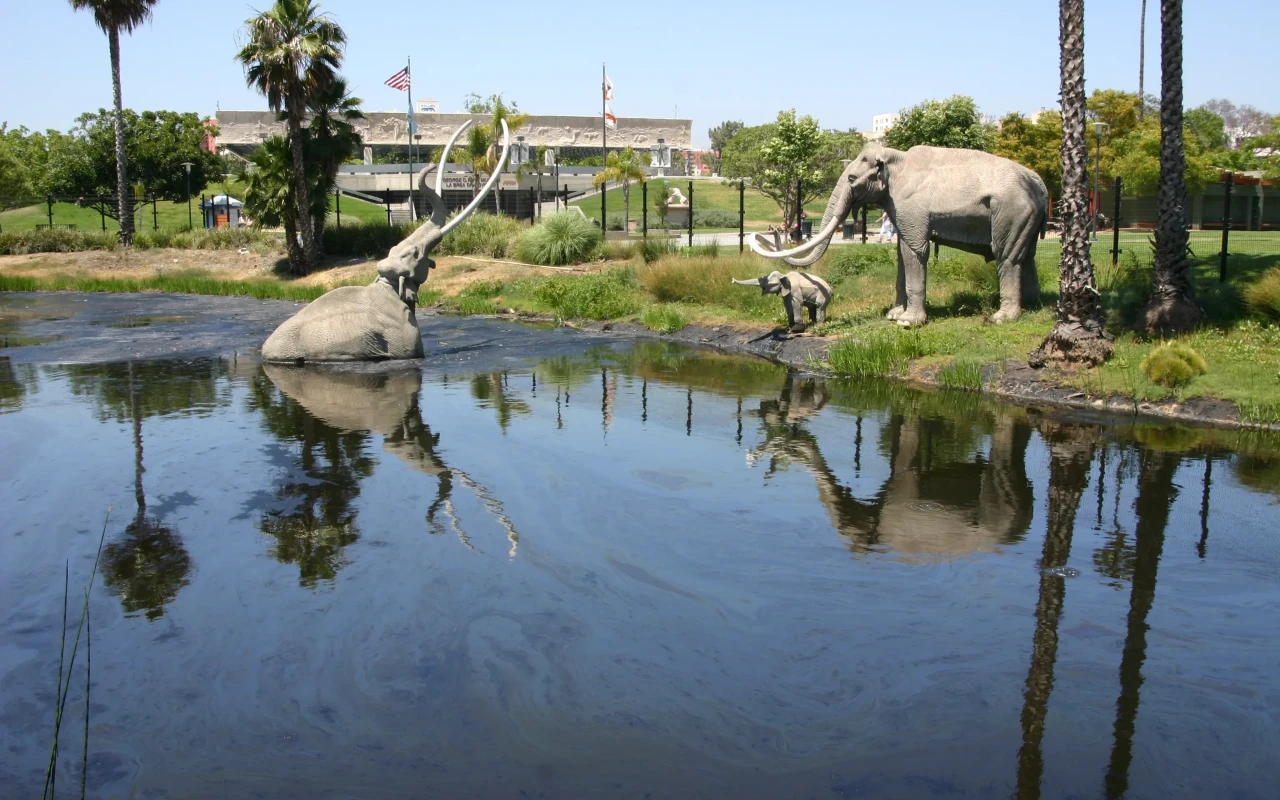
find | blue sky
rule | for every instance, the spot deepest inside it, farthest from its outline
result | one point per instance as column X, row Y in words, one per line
column 711, row 59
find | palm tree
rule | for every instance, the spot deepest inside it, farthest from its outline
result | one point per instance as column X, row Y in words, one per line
column 268, row 198
column 622, row 167
column 292, row 57
column 484, row 142
column 1171, row 308
column 1078, row 335
column 1142, row 60
column 332, row 139
column 114, row 16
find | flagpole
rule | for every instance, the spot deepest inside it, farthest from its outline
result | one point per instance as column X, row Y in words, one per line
column 413, row 207
column 604, row 147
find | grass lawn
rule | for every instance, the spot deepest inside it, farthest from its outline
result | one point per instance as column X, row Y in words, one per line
column 759, row 209
column 168, row 215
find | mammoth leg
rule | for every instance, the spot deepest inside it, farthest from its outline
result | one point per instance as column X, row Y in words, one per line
column 913, row 268
column 1013, row 238
column 900, row 297
column 795, row 312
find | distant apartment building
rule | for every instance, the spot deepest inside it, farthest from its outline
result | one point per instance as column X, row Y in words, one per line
column 880, row 124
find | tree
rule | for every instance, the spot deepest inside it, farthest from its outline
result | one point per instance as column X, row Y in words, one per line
column 623, row 167
column 269, row 199
column 1207, row 129
column 720, row 136
column 156, row 145
column 292, row 56
column 954, row 122
column 1077, row 335
column 114, row 16
column 1121, row 111
column 1269, row 142
column 659, row 193
column 24, row 157
column 484, row 141
column 837, row 148
column 1035, row 145
column 1242, row 122
column 1137, row 159
column 332, row 139
column 1171, row 308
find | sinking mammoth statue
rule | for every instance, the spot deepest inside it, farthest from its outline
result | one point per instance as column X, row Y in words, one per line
column 378, row 321
column 965, row 199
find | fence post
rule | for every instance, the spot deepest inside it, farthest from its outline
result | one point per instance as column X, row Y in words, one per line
column 337, row 201
column 386, row 199
column 566, row 197
column 538, row 207
column 102, row 214
column 155, row 216
column 1228, row 181
column 48, row 199
column 644, row 209
column 742, row 214
column 691, row 213
column 1115, row 225
column 864, row 224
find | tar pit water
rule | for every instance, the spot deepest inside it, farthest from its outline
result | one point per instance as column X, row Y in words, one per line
column 641, row 571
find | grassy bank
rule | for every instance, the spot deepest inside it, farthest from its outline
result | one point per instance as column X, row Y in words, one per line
column 177, row 282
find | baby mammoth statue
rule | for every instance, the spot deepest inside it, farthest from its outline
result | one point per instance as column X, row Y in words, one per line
column 799, row 290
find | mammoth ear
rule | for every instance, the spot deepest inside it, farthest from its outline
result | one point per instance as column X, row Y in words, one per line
column 786, row 286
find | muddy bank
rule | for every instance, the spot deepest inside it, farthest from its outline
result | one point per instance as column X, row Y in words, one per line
column 1012, row 381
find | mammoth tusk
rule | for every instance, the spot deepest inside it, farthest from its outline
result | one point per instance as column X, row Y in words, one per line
column 444, row 158
column 745, row 283
column 822, row 235
column 488, row 187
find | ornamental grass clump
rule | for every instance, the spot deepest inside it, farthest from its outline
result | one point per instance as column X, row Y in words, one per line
column 881, row 351
column 605, row 295
column 483, row 235
column 1173, row 364
column 560, row 239
column 1263, row 297
column 664, row 318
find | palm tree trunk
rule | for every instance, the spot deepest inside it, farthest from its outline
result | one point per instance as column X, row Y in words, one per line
column 1171, row 308
column 1142, row 60
column 626, row 206
column 302, row 199
column 1078, row 335
column 124, row 197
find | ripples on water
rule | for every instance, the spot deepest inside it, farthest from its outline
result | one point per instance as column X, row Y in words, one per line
column 640, row 572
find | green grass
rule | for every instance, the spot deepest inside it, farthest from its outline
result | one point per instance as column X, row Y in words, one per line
column 168, row 215
column 664, row 318
column 965, row 375
column 877, row 352
column 707, row 194
column 183, row 282
column 604, row 295
column 563, row 238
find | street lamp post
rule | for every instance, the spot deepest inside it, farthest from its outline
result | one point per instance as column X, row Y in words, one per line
column 1098, row 128
column 186, row 166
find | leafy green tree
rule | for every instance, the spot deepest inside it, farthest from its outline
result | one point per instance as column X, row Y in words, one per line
column 114, row 16
column 623, row 167
column 792, row 171
column 1121, row 111
column 659, row 191
column 1034, row 145
column 1270, row 164
column 1207, row 128
column 837, row 147
column 1242, row 122
column 1137, row 160
column 484, row 142
column 23, row 158
column 269, row 200
column 292, row 57
column 954, row 122
column 156, row 142
column 720, row 136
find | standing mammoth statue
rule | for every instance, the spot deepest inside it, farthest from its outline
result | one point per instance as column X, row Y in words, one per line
column 799, row 291
column 966, row 199
column 378, row 321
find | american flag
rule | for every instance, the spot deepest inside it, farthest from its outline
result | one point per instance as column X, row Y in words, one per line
column 400, row 80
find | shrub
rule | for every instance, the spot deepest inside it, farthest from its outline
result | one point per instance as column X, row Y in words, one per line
column 615, row 223
column 562, row 238
column 605, row 295
column 483, row 235
column 848, row 261
column 54, row 240
column 652, row 249
column 714, row 218
column 618, row 251
column 664, row 318
column 1173, row 364
column 483, row 289
column 1263, row 297
column 471, row 304
column 364, row 241
column 880, row 351
column 704, row 280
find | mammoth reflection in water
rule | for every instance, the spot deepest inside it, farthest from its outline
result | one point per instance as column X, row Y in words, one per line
column 386, row 403
column 939, row 499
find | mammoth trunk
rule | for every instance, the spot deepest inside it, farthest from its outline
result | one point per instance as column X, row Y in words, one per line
column 837, row 210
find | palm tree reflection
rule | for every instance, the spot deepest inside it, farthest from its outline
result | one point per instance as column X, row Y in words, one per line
column 1070, row 454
